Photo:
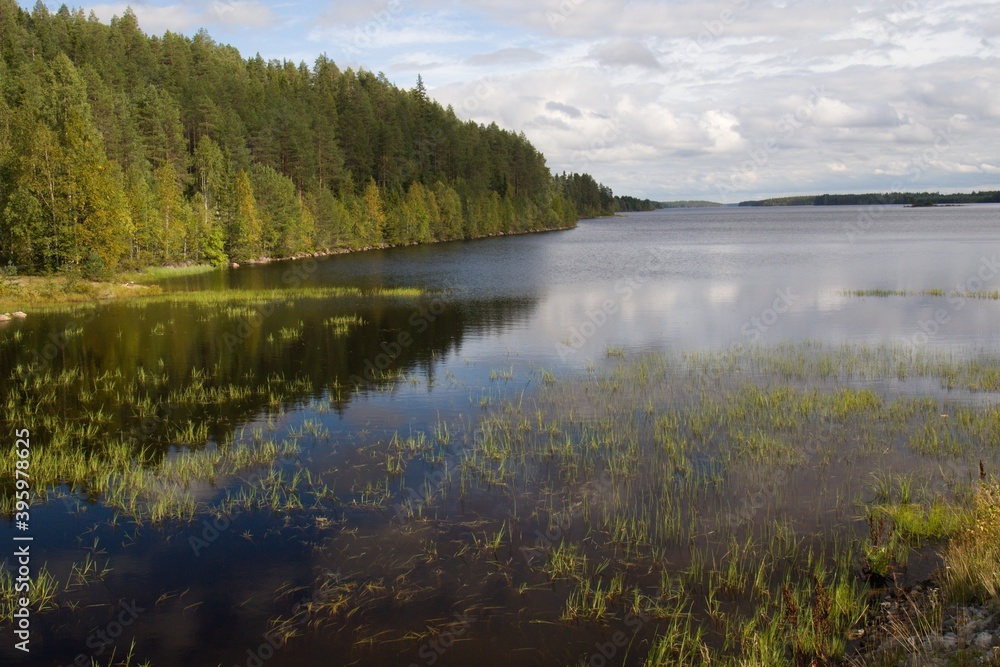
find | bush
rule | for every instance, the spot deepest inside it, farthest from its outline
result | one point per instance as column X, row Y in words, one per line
column 972, row 558
column 9, row 285
column 93, row 268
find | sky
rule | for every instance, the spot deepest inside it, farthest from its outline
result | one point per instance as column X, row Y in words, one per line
column 722, row 100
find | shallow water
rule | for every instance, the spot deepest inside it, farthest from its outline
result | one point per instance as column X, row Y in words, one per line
column 495, row 314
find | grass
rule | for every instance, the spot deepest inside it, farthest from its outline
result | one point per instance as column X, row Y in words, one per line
column 972, row 558
column 35, row 292
column 877, row 292
column 936, row 292
column 42, row 593
column 342, row 324
column 566, row 561
column 743, row 502
column 137, row 443
column 125, row 661
column 46, row 593
column 155, row 274
column 671, row 435
column 55, row 293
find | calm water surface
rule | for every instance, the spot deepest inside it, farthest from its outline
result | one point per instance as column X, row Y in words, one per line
column 673, row 281
column 683, row 279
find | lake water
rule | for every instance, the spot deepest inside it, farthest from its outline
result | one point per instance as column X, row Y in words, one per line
column 696, row 278
column 494, row 316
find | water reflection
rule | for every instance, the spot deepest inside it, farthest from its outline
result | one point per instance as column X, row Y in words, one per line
column 671, row 280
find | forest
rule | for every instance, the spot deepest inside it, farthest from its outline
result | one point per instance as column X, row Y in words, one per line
column 120, row 150
column 888, row 198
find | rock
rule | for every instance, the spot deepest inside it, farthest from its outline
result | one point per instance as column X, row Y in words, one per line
column 234, row 265
column 4, row 318
column 19, row 315
column 983, row 640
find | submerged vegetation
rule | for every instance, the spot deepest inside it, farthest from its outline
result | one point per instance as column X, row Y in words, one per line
column 991, row 295
column 731, row 508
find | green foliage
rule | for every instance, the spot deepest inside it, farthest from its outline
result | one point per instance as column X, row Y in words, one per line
column 883, row 552
column 245, row 231
column 882, row 199
column 119, row 148
column 590, row 198
column 9, row 286
column 971, row 558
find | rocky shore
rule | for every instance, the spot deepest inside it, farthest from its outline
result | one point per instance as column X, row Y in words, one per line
column 910, row 628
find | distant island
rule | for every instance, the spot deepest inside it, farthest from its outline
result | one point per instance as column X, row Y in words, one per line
column 918, row 199
column 625, row 204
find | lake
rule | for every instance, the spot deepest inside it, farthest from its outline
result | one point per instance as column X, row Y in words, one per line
column 558, row 448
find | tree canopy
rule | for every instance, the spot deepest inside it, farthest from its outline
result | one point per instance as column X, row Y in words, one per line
column 880, row 198
column 119, row 149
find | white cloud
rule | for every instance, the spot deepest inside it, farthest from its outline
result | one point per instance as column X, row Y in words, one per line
column 190, row 16
column 836, row 113
column 152, row 18
column 625, row 53
column 507, row 56
column 671, row 99
column 722, row 129
column 243, row 13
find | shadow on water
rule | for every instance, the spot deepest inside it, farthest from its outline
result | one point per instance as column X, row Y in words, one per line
column 444, row 489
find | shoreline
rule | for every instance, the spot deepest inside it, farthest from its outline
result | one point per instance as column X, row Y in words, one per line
column 32, row 292
column 386, row 246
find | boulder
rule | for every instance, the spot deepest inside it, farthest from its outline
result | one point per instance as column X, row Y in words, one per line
column 19, row 315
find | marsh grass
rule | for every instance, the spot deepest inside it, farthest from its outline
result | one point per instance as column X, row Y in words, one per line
column 128, row 660
column 736, row 499
column 155, row 274
column 52, row 297
column 46, row 593
column 991, row 295
column 42, row 593
column 342, row 324
column 700, row 461
column 566, row 561
column 972, row 558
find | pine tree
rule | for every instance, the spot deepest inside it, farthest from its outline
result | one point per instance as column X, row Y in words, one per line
column 372, row 221
column 417, row 215
column 115, row 145
column 172, row 215
column 245, row 232
column 450, row 209
column 141, row 205
column 285, row 232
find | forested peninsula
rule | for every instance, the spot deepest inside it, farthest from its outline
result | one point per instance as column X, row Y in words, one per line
column 120, row 150
column 883, row 198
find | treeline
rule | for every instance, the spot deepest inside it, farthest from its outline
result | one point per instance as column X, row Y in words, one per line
column 589, row 198
column 692, row 203
column 119, row 149
column 909, row 198
column 626, row 204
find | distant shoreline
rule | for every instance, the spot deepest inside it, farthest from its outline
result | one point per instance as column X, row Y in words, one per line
column 915, row 199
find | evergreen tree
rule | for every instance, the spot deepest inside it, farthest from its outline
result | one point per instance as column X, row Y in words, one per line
column 245, row 241
column 172, row 216
column 117, row 146
column 417, row 215
column 141, row 206
column 372, row 219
